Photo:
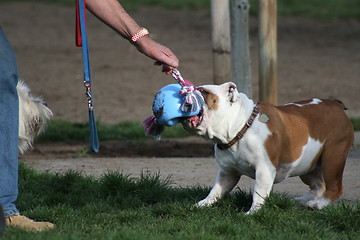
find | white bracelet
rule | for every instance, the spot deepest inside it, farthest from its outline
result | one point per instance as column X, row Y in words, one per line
column 143, row 32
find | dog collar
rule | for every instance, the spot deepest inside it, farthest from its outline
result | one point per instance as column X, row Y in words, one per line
column 242, row 132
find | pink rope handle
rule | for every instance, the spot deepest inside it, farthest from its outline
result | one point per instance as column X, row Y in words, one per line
column 187, row 87
column 176, row 74
column 193, row 98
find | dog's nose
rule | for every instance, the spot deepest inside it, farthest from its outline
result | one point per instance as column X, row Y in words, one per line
column 45, row 104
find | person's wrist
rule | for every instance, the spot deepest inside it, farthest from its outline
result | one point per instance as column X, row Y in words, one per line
column 143, row 32
column 142, row 41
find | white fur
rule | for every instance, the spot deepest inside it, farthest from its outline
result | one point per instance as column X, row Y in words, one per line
column 33, row 116
column 314, row 101
column 302, row 165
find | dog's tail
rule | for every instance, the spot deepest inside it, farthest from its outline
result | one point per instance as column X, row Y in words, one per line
column 342, row 104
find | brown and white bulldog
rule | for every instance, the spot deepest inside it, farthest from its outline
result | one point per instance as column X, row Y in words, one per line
column 310, row 139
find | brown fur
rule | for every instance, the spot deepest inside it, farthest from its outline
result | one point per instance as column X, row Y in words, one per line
column 292, row 125
column 210, row 98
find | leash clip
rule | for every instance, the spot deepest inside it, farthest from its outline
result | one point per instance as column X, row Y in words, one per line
column 89, row 95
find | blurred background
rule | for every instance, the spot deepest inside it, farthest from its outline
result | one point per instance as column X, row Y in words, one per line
column 318, row 53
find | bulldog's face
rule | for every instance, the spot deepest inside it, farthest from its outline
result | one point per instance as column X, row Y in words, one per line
column 219, row 101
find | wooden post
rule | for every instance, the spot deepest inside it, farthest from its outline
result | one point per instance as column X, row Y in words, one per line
column 240, row 47
column 221, row 40
column 268, row 51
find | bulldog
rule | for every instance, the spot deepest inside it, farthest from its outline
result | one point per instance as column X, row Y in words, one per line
column 309, row 139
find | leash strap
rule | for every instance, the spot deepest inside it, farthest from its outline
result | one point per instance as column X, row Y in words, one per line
column 81, row 40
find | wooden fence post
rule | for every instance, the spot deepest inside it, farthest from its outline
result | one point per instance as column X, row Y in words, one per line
column 221, row 40
column 240, row 47
column 268, row 51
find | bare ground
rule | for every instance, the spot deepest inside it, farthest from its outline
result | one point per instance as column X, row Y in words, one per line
column 315, row 59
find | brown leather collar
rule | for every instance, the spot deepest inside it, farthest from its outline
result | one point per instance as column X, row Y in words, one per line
column 242, row 132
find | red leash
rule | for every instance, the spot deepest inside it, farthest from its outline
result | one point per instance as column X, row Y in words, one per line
column 78, row 40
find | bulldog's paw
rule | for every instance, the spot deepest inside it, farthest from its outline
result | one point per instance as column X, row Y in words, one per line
column 250, row 212
column 254, row 208
column 204, row 203
column 318, row 203
column 305, row 199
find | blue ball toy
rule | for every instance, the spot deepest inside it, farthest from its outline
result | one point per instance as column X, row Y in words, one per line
column 167, row 106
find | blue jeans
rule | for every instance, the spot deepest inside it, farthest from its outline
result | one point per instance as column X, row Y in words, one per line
column 9, row 124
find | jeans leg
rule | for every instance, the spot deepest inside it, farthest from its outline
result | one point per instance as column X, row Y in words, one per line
column 9, row 124
column 2, row 221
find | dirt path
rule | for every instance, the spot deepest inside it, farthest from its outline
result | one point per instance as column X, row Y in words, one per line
column 194, row 164
column 188, row 171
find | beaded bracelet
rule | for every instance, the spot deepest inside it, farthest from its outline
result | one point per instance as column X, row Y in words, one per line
column 143, row 32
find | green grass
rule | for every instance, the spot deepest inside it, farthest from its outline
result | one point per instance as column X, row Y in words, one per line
column 117, row 206
column 356, row 123
column 324, row 9
column 63, row 131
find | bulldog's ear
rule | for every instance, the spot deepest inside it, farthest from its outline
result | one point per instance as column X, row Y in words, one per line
column 232, row 92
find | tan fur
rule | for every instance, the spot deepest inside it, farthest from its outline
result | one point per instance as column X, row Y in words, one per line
column 291, row 130
column 210, row 98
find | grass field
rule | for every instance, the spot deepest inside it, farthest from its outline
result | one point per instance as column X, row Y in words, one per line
column 117, row 206
column 120, row 207
column 62, row 131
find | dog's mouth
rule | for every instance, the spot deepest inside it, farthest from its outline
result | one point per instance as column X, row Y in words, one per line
column 193, row 121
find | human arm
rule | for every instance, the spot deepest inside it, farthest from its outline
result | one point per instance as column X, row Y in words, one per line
column 114, row 15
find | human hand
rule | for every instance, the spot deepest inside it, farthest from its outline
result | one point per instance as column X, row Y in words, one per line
column 163, row 55
column 165, row 68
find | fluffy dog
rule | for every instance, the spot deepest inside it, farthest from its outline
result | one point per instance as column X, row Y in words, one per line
column 310, row 139
column 33, row 116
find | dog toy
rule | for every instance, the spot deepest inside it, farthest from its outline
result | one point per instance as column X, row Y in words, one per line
column 171, row 103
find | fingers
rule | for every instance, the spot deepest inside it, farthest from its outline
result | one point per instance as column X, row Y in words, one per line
column 167, row 58
column 165, row 68
column 158, row 63
column 164, row 56
column 172, row 60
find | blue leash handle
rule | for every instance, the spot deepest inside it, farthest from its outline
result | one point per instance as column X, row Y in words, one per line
column 94, row 141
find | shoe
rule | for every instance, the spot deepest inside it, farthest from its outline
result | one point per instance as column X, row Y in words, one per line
column 26, row 223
